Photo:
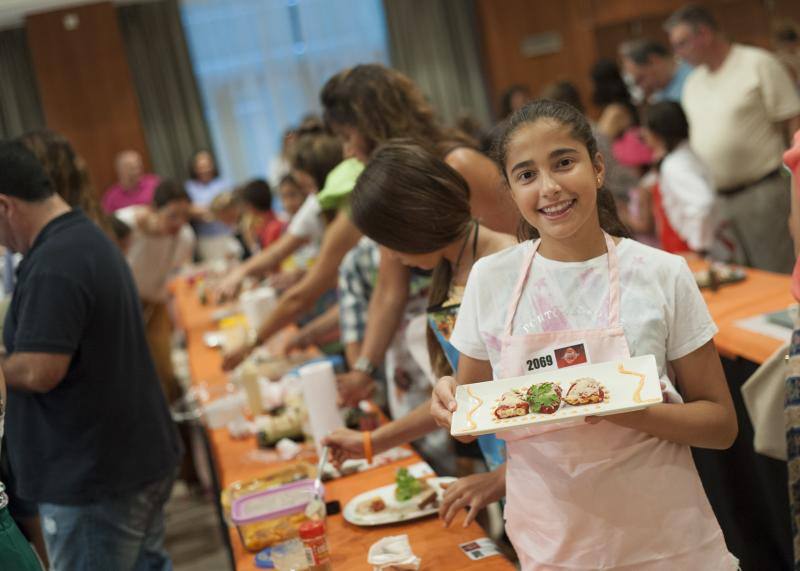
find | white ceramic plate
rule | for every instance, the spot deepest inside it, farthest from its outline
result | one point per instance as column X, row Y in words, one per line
column 395, row 511
column 625, row 392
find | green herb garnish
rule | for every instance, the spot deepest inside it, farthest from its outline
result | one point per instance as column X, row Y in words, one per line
column 541, row 395
column 407, row 485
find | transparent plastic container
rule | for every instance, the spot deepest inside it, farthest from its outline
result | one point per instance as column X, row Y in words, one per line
column 272, row 516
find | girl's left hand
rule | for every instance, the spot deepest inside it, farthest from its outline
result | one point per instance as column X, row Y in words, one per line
column 475, row 492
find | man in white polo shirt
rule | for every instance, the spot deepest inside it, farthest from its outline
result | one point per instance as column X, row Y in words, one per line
column 742, row 107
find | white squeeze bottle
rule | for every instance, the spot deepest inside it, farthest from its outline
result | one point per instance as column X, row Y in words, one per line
column 249, row 381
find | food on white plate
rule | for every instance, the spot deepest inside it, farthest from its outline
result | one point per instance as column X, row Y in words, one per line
column 544, row 398
column 371, row 506
column 428, row 499
column 511, row 404
column 585, row 391
column 407, row 486
column 382, row 506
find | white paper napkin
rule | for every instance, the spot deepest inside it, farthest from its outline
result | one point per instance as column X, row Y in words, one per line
column 393, row 552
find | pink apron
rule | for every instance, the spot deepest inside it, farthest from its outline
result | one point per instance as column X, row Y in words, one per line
column 601, row 496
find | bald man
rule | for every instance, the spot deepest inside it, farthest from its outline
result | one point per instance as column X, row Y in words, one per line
column 133, row 186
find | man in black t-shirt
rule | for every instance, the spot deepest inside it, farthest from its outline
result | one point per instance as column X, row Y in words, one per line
column 89, row 435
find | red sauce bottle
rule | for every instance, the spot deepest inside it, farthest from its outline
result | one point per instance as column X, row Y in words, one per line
column 312, row 533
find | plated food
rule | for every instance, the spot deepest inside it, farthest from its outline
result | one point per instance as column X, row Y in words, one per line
column 585, row 391
column 408, row 498
column 564, row 395
column 546, row 398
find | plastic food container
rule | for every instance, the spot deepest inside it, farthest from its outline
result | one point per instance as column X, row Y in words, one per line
column 271, row 516
column 272, row 479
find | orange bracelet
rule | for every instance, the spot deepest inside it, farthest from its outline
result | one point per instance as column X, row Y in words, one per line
column 367, row 439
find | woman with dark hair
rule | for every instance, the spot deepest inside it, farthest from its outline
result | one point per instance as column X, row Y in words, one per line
column 367, row 106
column 402, row 190
column 214, row 237
column 684, row 197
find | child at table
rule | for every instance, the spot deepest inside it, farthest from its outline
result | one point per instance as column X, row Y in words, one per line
column 620, row 492
column 684, row 197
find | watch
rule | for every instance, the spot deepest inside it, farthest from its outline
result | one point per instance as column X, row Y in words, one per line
column 364, row 365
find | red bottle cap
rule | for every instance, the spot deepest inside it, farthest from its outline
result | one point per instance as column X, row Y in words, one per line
column 312, row 529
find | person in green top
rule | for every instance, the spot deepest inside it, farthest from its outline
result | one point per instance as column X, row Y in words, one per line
column 15, row 551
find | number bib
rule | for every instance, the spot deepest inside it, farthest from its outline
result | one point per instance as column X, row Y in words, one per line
column 558, row 358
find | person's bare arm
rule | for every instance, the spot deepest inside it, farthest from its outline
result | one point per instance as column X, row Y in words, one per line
column 386, row 307
column 340, row 237
column 490, row 200
column 346, row 443
column 35, row 372
column 263, row 262
column 706, row 419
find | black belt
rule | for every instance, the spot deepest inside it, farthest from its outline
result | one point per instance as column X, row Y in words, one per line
column 737, row 189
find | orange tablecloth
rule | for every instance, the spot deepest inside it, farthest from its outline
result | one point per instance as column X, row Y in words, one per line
column 235, row 460
column 761, row 292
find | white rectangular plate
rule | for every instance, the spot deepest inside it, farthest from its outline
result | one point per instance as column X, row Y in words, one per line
column 476, row 402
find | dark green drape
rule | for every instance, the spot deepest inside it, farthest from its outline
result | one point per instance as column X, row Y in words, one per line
column 20, row 106
column 435, row 42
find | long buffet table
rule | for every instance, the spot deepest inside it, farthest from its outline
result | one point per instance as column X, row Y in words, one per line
column 233, row 460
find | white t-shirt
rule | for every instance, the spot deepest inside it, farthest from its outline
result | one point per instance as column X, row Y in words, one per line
column 661, row 308
column 688, row 196
column 307, row 221
column 154, row 258
column 735, row 112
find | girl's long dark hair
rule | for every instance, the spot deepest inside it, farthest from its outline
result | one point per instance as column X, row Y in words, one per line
column 580, row 130
column 410, row 201
column 384, row 104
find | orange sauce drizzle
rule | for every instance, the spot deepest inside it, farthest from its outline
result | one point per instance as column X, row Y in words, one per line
column 637, row 394
column 472, row 424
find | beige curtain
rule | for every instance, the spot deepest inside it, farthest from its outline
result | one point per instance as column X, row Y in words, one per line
column 435, row 42
column 20, row 107
column 172, row 112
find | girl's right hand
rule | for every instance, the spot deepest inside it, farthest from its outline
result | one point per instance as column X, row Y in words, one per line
column 443, row 402
column 343, row 444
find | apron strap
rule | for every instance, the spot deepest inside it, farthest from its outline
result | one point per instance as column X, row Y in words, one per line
column 521, row 280
column 613, row 287
column 613, row 279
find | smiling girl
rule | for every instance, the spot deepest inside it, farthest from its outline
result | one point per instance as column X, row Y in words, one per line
column 621, row 492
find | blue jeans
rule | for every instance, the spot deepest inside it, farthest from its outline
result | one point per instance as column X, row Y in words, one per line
column 123, row 534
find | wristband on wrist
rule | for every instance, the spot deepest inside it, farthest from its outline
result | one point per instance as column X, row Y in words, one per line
column 367, row 440
column 364, row 365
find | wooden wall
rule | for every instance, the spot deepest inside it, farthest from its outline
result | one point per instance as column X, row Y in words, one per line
column 86, row 86
column 592, row 29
